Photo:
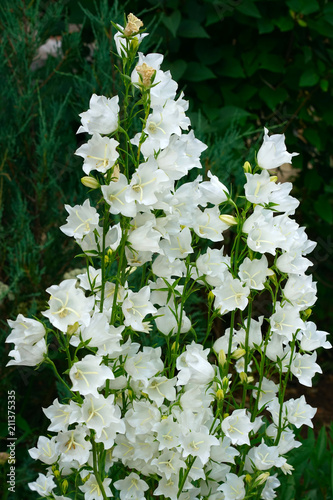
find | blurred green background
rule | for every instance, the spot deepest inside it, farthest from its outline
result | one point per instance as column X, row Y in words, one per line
column 243, row 65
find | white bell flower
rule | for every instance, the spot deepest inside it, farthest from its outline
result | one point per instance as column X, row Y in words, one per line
column 168, row 487
column 177, row 246
column 233, row 488
column 304, row 367
column 213, row 191
column 168, row 432
column 169, row 463
column 207, row 224
column 81, row 220
column 286, row 441
column 91, row 488
column 45, row 451
column 271, row 484
column 146, row 181
column 160, row 388
column 231, row 295
column 167, row 323
column 193, row 366
column 237, row 427
column 163, row 268
column 132, row 487
column 73, row 446
column 286, row 320
column 68, row 305
column 259, row 187
column 28, row 354
column 114, row 194
column 301, row 291
column 135, row 308
column 263, row 457
column 213, row 265
column 99, row 153
column 312, row 339
column 255, row 272
column 198, row 444
column 267, row 392
column 43, row 486
column 299, row 413
column 273, row 152
column 61, row 415
column 101, row 117
column 145, row 364
column 89, row 375
column 25, row 331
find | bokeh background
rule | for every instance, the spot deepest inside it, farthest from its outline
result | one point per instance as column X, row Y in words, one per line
column 243, row 65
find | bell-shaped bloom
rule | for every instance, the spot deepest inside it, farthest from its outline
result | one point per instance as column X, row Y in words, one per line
column 233, row 488
column 81, row 220
column 273, row 152
column 68, row 305
column 115, row 195
column 89, row 375
column 231, row 295
column 237, row 427
column 135, row 308
column 132, row 487
column 45, row 451
column 193, row 366
column 101, row 117
column 28, row 354
column 25, row 331
column 255, row 272
column 91, row 488
column 99, row 153
column 43, row 486
column 304, row 367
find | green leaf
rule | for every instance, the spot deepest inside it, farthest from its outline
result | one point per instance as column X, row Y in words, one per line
column 231, row 67
column 284, row 23
column 172, row 22
column 309, row 78
column 324, row 208
column 192, row 29
column 22, row 423
column 265, row 25
column 271, row 62
column 232, row 114
column 303, row 6
column 324, row 85
column 197, row 72
column 177, row 68
column 321, row 445
column 273, row 97
column 249, row 9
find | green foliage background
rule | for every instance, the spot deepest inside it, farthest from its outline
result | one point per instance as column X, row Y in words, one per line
column 243, row 64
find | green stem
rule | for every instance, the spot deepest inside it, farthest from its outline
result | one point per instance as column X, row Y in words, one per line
column 96, row 471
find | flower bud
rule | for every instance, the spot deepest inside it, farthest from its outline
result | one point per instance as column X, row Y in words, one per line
column 225, row 384
column 211, row 296
column 262, row 478
column 133, row 25
column 248, row 478
column 238, row 353
column 243, row 377
column 306, row 314
column 90, row 182
column 230, row 220
column 287, row 468
column 222, row 358
column 250, row 379
column 85, row 478
column 115, row 173
column 64, row 486
column 72, row 328
column 273, row 178
column 56, row 472
column 247, row 168
column 219, row 394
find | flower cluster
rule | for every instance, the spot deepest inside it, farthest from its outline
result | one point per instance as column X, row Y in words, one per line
column 176, row 417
